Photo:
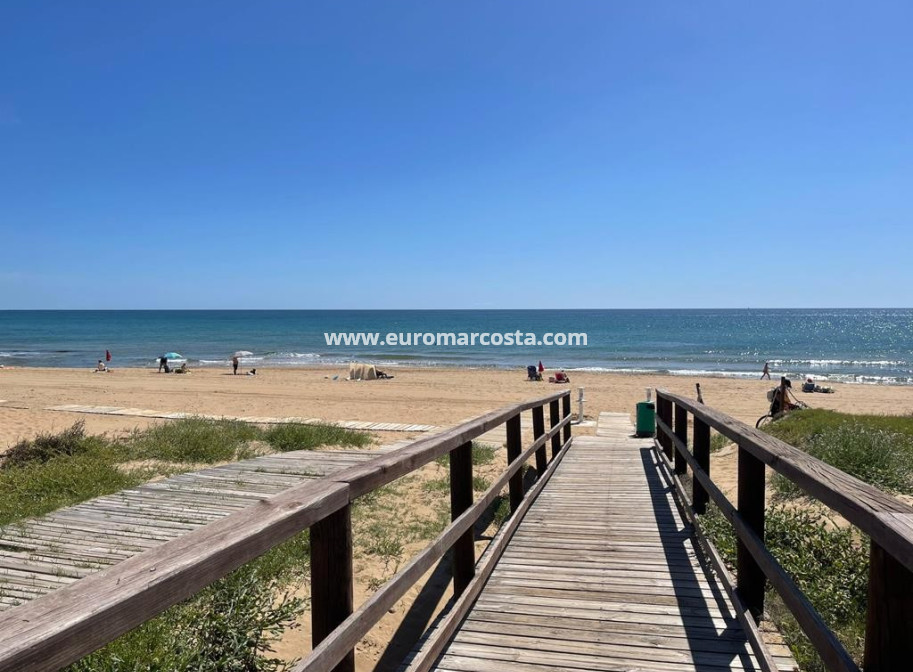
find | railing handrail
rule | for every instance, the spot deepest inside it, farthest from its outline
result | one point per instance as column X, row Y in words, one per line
column 64, row 625
column 887, row 521
column 873, row 511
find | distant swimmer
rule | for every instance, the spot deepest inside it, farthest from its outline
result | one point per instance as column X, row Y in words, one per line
column 766, row 372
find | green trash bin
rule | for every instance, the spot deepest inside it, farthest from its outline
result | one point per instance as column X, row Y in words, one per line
column 646, row 418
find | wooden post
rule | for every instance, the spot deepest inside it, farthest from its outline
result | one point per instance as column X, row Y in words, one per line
column 539, row 430
column 554, row 419
column 681, row 432
column 750, row 577
column 664, row 407
column 331, row 578
column 514, row 448
column 464, row 558
column 566, row 407
column 889, row 622
column 701, row 448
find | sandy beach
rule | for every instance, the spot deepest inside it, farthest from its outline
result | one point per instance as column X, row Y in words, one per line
column 435, row 396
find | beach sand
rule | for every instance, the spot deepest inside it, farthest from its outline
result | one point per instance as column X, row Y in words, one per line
column 427, row 396
column 435, row 396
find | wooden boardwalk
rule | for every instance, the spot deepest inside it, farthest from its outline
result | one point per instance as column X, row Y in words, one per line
column 602, row 574
column 42, row 554
column 363, row 425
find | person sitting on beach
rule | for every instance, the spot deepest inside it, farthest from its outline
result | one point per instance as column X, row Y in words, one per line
column 808, row 385
column 252, row 372
column 101, row 367
column 182, row 368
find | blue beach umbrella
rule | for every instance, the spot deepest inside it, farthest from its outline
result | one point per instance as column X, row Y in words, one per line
column 172, row 355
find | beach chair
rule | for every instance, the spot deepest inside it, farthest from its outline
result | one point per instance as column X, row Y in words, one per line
column 532, row 373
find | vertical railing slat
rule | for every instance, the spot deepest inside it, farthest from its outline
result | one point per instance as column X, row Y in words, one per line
column 750, row 577
column 464, row 561
column 514, row 448
column 331, row 578
column 701, row 448
column 539, row 431
column 889, row 621
column 554, row 419
column 681, row 432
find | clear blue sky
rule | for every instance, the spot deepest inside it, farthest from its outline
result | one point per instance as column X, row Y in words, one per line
column 455, row 154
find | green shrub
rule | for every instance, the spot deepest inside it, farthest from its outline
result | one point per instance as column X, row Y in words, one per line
column 718, row 442
column 195, row 440
column 875, row 449
column 229, row 627
column 480, row 483
column 830, row 565
column 287, row 437
column 482, row 453
column 44, row 447
column 37, row 488
column 502, row 511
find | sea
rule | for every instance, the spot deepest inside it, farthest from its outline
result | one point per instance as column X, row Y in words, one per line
column 872, row 346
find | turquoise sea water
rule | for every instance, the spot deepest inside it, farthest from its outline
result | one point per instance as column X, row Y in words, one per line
column 864, row 345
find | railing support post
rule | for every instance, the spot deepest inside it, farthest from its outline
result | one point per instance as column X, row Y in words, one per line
column 750, row 577
column 681, row 432
column 554, row 419
column 566, row 407
column 331, row 578
column 538, row 431
column 700, row 446
column 464, row 560
column 889, row 622
column 514, row 448
column 665, row 410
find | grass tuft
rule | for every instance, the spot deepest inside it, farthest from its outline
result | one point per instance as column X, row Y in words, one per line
column 45, row 447
column 718, row 442
column 37, row 488
column 195, row 440
column 287, row 437
column 482, row 453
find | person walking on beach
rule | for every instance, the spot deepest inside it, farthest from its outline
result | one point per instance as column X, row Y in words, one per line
column 235, row 361
column 766, row 372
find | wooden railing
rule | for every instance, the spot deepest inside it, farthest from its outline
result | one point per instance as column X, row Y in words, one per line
column 887, row 522
column 63, row 626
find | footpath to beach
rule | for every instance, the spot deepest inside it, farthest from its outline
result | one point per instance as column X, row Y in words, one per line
column 254, row 419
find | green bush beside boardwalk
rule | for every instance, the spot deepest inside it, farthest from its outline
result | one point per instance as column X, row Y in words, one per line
column 828, row 561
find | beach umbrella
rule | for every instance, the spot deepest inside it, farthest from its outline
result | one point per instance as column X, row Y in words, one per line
column 242, row 353
column 172, row 355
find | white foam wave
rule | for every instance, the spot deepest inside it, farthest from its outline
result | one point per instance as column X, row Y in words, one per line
column 838, row 362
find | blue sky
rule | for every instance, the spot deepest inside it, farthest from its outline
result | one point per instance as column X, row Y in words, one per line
column 455, row 155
